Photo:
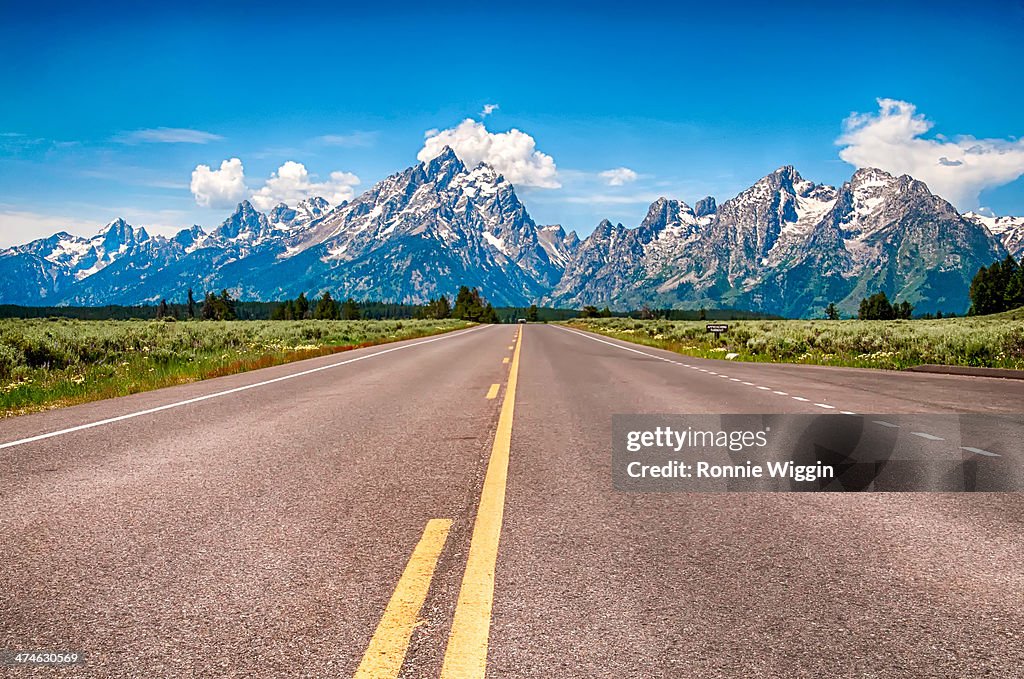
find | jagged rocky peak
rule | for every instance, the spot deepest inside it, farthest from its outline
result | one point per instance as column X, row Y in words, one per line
column 245, row 222
column 665, row 213
column 304, row 212
column 705, row 207
column 119, row 234
column 444, row 167
column 189, row 237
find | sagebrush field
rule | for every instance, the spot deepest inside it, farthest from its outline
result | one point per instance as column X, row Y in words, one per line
column 986, row 341
column 51, row 362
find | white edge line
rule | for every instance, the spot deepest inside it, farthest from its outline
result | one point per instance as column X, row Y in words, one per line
column 206, row 397
column 925, row 435
column 979, row 451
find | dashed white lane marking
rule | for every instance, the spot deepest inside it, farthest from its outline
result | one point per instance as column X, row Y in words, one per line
column 930, row 437
column 979, row 451
column 218, row 394
column 883, row 423
column 709, row 372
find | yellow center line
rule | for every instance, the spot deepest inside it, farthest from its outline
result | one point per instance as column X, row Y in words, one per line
column 493, row 391
column 466, row 655
column 386, row 652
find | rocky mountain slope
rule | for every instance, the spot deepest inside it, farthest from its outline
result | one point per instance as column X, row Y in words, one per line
column 785, row 245
column 1009, row 231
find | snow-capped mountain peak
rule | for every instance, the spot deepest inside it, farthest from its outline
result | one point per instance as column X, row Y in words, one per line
column 285, row 218
column 1009, row 230
column 245, row 224
column 785, row 245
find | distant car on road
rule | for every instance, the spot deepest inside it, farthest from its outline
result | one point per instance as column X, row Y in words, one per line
column 521, row 320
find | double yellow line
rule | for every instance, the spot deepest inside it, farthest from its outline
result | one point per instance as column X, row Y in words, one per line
column 466, row 654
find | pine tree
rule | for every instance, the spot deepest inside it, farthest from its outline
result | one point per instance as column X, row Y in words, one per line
column 162, row 310
column 210, row 307
column 326, row 308
column 876, row 308
column 300, row 308
column 350, row 310
column 227, row 307
column 465, row 305
column 191, row 304
column 831, row 312
column 532, row 313
column 489, row 315
column 443, row 308
column 1014, row 295
column 219, row 307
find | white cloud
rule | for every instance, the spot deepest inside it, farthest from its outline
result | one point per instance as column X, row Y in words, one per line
column 292, row 183
column 488, row 110
column 618, row 176
column 514, row 153
column 167, row 135
column 350, row 140
column 219, row 188
column 957, row 169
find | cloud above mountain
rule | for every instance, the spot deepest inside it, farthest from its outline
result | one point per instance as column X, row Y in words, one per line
column 514, row 153
column 219, row 188
column 957, row 169
column 292, row 183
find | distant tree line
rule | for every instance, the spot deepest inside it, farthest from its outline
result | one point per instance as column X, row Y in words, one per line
column 997, row 288
column 325, row 308
column 469, row 306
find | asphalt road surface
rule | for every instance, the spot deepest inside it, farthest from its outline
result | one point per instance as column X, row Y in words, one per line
column 321, row 519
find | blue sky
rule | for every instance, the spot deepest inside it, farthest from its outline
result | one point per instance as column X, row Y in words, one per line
column 107, row 111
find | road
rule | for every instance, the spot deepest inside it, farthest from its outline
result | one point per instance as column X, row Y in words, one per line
column 321, row 519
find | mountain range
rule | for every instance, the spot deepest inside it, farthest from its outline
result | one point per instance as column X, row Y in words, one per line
column 785, row 246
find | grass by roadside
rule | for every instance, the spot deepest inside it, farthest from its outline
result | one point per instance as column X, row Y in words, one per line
column 47, row 363
column 987, row 341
